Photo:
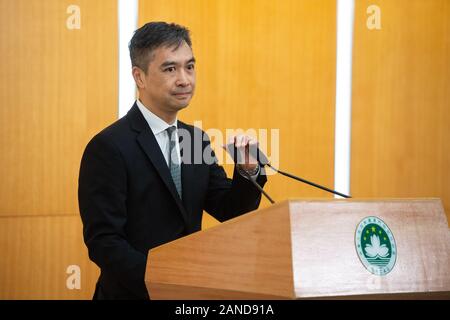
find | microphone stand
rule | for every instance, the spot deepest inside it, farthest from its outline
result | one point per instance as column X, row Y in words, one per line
column 263, row 161
column 306, row 181
column 258, row 186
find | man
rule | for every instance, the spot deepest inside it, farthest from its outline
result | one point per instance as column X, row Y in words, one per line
column 139, row 186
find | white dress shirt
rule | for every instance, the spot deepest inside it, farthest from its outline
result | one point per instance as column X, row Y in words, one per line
column 158, row 127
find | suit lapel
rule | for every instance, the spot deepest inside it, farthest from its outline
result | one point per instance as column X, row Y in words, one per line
column 148, row 143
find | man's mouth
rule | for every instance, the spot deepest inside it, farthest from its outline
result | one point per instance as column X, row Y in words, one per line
column 182, row 93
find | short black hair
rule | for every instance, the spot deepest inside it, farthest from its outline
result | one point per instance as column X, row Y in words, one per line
column 153, row 35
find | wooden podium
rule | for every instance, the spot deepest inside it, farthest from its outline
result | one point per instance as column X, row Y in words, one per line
column 309, row 249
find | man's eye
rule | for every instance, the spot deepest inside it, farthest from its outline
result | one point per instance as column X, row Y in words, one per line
column 191, row 67
column 170, row 69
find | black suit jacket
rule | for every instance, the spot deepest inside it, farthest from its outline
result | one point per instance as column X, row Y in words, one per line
column 129, row 204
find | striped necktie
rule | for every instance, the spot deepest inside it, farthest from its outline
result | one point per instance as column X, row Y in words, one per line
column 174, row 164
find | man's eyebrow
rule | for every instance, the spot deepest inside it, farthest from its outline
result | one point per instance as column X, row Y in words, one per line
column 173, row 63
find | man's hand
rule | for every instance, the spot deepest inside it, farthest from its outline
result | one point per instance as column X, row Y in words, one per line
column 243, row 144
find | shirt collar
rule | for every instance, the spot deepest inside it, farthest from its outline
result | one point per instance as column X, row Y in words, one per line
column 156, row 124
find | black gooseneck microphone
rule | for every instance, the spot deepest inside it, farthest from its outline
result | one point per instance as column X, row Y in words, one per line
column 258, row 186
column 307, row 182
column 264, row 161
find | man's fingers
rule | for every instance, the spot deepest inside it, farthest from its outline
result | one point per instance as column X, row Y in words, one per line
column 241, row 141
column 245, row 146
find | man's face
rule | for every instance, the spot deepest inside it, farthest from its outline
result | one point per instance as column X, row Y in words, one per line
column 169, row 83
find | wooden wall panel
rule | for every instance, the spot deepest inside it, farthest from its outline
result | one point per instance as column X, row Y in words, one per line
column 401, row 94
column 57, row 88
column 36, row 252
column 264, row 64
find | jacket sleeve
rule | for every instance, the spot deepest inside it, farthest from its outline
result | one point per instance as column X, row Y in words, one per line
column 102, row 199
column 226, row 198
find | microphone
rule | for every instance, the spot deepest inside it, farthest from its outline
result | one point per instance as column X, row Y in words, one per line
column 236, row 156
column 264, row 161
column 308, row 182
column 253, row 150
column 258, row 187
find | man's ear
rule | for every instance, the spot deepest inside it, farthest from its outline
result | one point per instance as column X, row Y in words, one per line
column 139, row 77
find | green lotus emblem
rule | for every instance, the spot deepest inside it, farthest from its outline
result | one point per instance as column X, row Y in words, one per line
column 375, row 246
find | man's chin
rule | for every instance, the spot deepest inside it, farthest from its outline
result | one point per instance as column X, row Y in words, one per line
column 176, row 108
column 181, row 106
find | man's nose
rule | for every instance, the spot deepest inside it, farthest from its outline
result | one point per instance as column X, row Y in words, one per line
column 183, row 79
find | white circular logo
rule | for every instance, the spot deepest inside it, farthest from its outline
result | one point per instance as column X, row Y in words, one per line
column 375, row 245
